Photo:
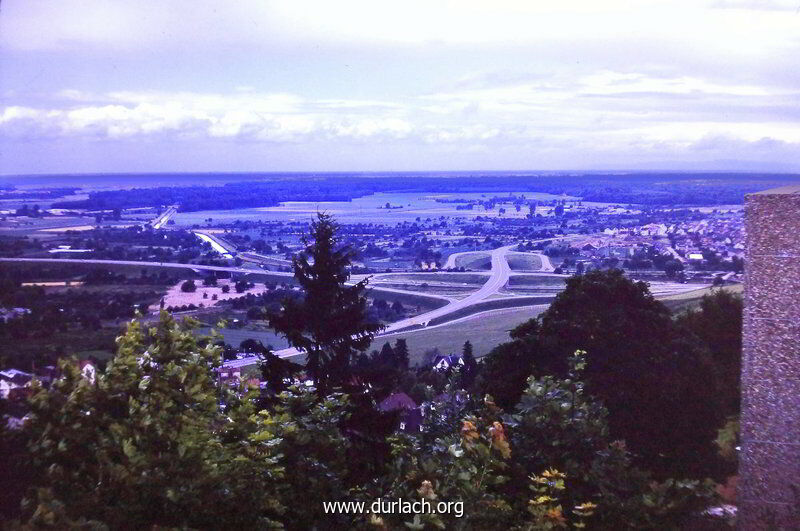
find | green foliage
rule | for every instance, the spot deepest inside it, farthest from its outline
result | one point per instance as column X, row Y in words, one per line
column 467, row 465
column 505, row 370
column 469, row 370
column 558, row 424
column 188, row 286
column 718, row 325
column 550, row 464
column 728, row 439
column 305, row 433
column 146, row 444
column 640, row 365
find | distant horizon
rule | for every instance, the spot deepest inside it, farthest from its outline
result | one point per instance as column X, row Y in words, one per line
column 377, row 173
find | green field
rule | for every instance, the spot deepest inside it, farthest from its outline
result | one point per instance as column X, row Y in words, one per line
column 454, row 278
column 484, row 331
column 537, row 281
column 691, row 299
column 524, row 262
column 425, row 302
column 444, row 290
column 234, row 337
column 477, row 261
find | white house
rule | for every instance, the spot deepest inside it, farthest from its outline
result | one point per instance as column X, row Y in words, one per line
column 13, row 379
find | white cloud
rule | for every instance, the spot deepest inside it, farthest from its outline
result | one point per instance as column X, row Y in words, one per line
column 605, row 107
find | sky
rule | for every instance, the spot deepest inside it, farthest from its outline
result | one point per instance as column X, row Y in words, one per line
column 371, row 85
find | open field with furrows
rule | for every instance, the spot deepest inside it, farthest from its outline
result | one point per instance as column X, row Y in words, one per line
column 665, row 288
column 451, row 285
column 175, row 297
column 454, row 286
column 533, row 285
column 537, row 280
column 491, row 304
column 524, row 262
column 414, row 302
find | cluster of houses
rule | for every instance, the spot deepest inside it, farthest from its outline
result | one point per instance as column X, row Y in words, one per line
column 15, row 388
column 7, row 314
column 409, row 414
column 684, row 241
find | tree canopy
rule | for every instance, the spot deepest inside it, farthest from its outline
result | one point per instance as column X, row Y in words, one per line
column 644, row 367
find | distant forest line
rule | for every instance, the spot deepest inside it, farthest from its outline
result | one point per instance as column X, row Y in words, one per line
column 650, row 189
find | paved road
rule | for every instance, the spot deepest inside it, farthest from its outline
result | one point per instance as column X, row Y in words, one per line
column 266, row 260
column 546, row 264
column 499, row 277
column 162, row 219
column 194, row 267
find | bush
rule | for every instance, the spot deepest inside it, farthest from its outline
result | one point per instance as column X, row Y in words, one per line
column 188, row 286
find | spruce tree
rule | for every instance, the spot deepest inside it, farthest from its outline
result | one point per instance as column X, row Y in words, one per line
column 330, row 323
column 387, row 355
column 401, row 353
column 470, row 368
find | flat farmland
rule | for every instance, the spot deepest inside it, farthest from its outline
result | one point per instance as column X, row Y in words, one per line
column 23, row 226
column 176, row 297
column 460, row 278
column 534, row 285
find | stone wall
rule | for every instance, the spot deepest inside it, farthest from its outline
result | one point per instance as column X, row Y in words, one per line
column 769, row 486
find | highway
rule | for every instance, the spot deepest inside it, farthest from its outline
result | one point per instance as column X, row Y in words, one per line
column 162, row 219
column 547, row 266
column 216, row 244
column 194, row 267
column 434, row 299
column 498, row 278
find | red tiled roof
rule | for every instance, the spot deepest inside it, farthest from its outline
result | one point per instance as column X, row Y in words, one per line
column 397, row 401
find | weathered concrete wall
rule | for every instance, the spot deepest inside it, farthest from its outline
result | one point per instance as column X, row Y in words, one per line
column 769, row 486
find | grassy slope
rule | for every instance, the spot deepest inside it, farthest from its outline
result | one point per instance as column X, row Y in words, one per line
column 691, row 299
column 484, row 331
column 524, row 262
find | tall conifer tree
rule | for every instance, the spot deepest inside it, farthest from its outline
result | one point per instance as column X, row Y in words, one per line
column 330, row 323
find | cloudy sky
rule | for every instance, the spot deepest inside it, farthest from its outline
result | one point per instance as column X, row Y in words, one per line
column 246, row 85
